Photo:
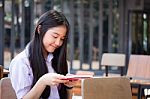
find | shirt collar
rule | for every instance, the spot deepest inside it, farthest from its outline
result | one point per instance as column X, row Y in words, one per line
column 49, row 57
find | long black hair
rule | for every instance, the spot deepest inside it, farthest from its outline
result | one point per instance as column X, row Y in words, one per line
column 48, row 20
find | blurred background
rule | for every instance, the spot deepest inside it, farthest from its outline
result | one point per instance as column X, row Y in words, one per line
column 97, row 27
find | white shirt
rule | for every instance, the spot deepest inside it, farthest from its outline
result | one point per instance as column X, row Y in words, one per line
column 21, row 75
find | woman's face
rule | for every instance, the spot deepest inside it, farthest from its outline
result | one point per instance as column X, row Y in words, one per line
column 54, row 38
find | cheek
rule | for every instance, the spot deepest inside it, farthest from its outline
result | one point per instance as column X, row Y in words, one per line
column 47, row 41
column 61, row 43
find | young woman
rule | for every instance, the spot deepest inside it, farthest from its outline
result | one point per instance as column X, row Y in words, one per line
column 38, row 71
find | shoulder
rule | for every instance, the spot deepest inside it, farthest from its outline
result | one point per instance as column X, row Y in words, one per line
column 20, row 57
column 20, row 61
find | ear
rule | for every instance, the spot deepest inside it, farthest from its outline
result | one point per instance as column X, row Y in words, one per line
column 39, row 29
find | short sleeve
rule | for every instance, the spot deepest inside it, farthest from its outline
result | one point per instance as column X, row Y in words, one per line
column 21, row 76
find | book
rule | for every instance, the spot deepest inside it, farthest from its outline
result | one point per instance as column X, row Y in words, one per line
column 77, row 77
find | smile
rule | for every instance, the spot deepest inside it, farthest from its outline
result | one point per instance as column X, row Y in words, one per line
column 54, row 46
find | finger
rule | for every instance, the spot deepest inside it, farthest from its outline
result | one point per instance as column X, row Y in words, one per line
column 71, row 83
column 54, row 84
column 60, row 76
column 60, row 81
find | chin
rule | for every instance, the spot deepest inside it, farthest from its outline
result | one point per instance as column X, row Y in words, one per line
column 51, row 50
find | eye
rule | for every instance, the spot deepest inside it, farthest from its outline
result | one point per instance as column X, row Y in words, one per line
column 54, row 36
column 62, row 39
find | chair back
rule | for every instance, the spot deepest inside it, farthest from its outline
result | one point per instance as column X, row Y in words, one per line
column 139, row 67
column 106, row 88
column 6, row 89
column 77, row 88
column 113, row 59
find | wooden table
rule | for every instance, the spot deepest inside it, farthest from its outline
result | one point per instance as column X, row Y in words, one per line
column 140, row 85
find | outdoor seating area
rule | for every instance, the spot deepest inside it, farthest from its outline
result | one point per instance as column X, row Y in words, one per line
column 104, row 45
column 137, row 73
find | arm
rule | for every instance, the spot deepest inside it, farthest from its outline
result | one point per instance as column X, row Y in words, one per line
column 50, row 79
column 36, row 91
column 21, row 79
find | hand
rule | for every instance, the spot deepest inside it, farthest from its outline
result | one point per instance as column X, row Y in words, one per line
column 52, row 79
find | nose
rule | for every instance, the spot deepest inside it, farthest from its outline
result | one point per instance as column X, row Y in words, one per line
column 58, row 42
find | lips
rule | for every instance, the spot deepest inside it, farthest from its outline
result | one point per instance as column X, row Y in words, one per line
column 54, row 46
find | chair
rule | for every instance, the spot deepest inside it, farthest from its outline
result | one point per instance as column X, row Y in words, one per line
column 3, row 72
column 139, row 67
column 139, row 72
column 113, row 59
column 6, row 89
column 77, row 88
column 106, row 88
